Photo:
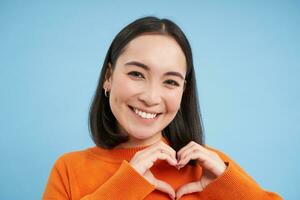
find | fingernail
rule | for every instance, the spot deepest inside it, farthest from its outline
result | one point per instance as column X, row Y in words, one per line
column 171, row 197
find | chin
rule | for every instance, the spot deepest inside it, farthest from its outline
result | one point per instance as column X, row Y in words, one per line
column 142, row 135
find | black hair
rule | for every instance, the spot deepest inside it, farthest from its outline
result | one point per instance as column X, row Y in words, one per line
column 185, row 127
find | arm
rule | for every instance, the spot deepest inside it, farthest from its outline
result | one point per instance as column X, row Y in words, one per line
column 235, row 184
column 126, row 183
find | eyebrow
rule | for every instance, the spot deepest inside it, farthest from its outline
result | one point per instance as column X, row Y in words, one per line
column 138, row 64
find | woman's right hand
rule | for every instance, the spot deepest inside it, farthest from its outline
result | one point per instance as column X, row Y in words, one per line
column 143, row 160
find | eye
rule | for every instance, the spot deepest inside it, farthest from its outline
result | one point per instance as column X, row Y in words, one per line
column 172, row 83
column 136, row 74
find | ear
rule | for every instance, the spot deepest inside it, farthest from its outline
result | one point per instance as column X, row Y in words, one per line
column 108, row 78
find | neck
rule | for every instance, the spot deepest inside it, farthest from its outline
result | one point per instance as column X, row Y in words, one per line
column 134, row 142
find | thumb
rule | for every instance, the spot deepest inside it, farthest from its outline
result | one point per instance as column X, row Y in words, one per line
column 165, row 187
column 160, row 185
column 189, row 188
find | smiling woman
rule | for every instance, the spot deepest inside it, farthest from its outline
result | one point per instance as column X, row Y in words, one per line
column 145, row 121
column 145, row 89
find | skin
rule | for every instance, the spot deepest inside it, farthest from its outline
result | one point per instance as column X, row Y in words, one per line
column 149, row 89
column 155, row 90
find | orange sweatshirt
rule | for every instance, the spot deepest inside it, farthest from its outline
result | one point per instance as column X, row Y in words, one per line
column 100, row 174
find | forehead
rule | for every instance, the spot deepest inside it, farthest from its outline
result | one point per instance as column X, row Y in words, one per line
column 156, row 51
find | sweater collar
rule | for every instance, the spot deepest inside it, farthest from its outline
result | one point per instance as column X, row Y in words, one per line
column 118, row 154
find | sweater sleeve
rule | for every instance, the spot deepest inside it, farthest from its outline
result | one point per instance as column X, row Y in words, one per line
column 235, row 184
column 126, row 183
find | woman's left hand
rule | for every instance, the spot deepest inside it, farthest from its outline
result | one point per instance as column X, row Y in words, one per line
column 212, row 167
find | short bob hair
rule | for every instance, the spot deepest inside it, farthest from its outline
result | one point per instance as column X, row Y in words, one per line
column 187, row 124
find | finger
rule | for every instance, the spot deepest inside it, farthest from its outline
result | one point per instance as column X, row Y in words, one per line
column 191, row 148
column 185, row 148
column 160, row 147
column 196, row 147
column 144, row 160
column 204, row 149
column 214, row 166
column 159, row 155
column 160, row 185
column 143, row 164
column 165, row 187
column 189, row 188
column 200, row 156
column 169, row 149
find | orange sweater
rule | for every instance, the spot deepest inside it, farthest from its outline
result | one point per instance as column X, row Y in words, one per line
column 100, row 174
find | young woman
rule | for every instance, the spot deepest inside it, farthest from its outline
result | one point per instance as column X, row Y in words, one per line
column 146, row 124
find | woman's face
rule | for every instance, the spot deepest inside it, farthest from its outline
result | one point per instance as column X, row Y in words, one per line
column 146, row 87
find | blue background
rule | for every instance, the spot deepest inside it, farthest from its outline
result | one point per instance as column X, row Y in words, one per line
column 247, row 60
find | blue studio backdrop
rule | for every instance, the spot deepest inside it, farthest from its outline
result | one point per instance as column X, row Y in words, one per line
column 246, row 55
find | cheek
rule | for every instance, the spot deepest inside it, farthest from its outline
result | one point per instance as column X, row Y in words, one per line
column 121, row 91
column 173, row 100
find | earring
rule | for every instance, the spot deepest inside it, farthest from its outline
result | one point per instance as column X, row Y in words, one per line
column 105, row 92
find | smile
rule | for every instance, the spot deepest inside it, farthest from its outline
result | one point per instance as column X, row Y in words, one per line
column 142, row 114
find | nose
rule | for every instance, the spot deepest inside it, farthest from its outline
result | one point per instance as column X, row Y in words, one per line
column 151, row 95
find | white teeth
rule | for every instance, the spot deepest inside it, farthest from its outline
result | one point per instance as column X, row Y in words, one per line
column 144, row 114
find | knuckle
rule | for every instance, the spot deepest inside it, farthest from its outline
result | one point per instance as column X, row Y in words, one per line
column 199, row 184
column 174, row 154
column 214, row 154
column 195, row 150
column 159, row 150
column 138, row 154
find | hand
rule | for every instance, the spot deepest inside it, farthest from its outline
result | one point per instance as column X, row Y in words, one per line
column 143, row 160
column 212, row 167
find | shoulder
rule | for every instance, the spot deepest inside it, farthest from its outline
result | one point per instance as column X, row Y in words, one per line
column 72, row 158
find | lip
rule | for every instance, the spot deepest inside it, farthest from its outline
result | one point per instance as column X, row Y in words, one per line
column 143, row 119
column 143, row 110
